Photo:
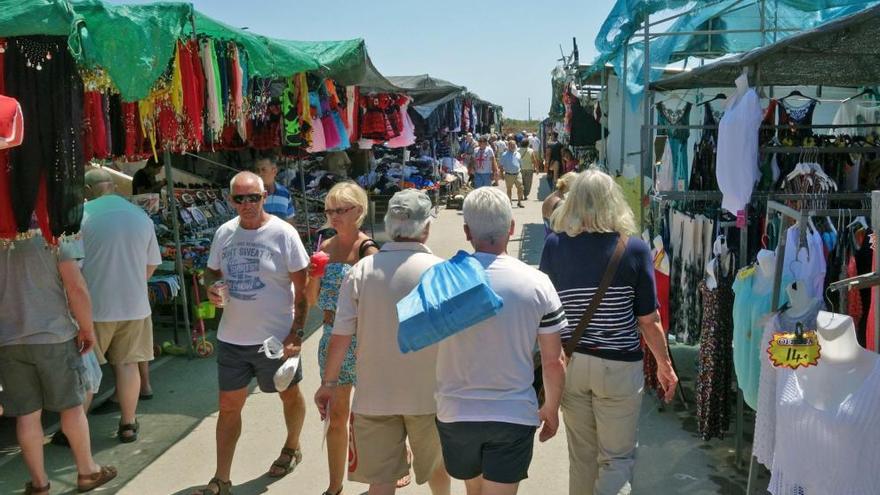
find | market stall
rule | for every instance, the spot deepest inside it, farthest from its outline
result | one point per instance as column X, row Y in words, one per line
column 792, row 155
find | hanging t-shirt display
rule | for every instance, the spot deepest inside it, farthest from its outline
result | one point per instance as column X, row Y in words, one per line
column 857, row 112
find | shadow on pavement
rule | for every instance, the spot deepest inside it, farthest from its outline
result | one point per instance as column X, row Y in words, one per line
column 531, row 241
column 255, row 486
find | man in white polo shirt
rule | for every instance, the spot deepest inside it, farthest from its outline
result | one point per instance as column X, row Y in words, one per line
column 394, row 397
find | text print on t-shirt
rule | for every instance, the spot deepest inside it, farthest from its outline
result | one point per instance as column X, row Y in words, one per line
column 242, row 260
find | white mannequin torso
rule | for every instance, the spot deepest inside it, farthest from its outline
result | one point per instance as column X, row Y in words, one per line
column 765, row 271
column 843, row 365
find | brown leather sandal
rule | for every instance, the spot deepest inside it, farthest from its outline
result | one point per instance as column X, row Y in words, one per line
column 88, row 482
column 223, row 488
column 283, row 467
column 30, row 489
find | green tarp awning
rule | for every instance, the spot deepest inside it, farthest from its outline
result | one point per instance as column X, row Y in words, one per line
column 346, row 62
column 266, row 57
column 133, row 43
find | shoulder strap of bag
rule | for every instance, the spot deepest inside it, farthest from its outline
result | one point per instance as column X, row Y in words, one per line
column 367, row 244
column 597, row 297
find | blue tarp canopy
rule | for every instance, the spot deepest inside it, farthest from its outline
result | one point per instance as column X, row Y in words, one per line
column 726, row 19
column 842, row 53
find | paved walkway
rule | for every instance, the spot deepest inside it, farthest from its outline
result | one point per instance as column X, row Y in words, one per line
column 176, row 451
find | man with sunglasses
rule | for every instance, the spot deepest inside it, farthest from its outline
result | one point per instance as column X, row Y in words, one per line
column 258, row 256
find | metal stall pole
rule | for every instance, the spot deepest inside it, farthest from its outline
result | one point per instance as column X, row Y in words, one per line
column 647, row 146
column 302, row 183
column 621, row 90
column 603, row 140
column 875, row 291
column 178, row 258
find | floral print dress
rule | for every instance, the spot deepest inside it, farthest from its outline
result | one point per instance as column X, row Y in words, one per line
column 333, row 276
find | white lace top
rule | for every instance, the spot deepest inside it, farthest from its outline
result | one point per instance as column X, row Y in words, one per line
column 814, row 452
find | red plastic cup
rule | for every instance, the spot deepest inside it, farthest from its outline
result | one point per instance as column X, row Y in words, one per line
column 320, row 260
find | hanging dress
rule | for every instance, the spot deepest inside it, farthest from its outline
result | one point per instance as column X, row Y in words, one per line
column 715, row 362
column 678, row 141
column 703, row 169
column 318, row 143
column 407, row 136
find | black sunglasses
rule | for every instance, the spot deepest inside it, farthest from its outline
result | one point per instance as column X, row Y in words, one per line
column 241, row 199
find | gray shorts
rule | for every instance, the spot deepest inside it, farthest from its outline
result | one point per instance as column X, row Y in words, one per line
column 41, row 376
column 237, row 365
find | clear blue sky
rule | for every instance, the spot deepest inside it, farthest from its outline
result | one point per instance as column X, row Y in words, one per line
column 502, row 50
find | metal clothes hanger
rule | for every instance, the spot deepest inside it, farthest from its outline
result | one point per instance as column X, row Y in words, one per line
column 798, row 94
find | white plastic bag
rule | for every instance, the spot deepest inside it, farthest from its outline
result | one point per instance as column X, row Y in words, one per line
column 285, row 373
column 274, row 349
column 93, row 373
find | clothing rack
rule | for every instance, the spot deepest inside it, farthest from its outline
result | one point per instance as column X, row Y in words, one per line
column 801, row 216
column 715, row 196
column 772, row 198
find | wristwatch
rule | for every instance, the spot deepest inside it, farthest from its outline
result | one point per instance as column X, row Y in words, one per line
column 329, row 383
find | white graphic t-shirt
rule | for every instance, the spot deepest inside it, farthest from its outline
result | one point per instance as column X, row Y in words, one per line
column 256, row 264
column 483, row 158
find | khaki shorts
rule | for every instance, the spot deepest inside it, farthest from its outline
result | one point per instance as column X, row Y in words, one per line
column 124, row 342
column 379, row 448
column 41, row 376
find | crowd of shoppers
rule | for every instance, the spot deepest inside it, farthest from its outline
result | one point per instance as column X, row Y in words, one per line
column 439, row 413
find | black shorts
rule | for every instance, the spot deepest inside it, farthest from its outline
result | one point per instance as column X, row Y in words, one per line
column 237, row 365
column 501, row 452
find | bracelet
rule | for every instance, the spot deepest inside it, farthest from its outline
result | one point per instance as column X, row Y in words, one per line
column 329, row 383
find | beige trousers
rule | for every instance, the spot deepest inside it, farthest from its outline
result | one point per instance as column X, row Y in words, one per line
column 527, row 182
column 600, row 407
column 510, row 181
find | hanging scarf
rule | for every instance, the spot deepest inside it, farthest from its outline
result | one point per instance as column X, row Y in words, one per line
column 212, row 76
